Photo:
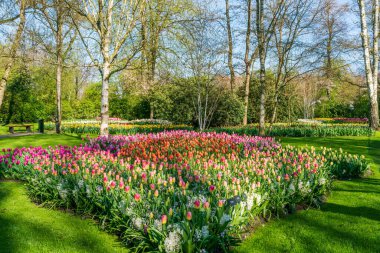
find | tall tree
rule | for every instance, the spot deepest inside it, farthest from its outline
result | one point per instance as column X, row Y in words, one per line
column 56, row 18
column 159, row 20
column 248, row 59
column 262, row 56
column 264, row 34
column 14, row 48
column 202, row 57
column 371, row 57
column 109, row 28
column 296, row 21
column 230, row 46
column 332, row 30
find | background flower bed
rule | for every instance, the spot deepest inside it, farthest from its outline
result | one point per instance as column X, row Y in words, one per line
column 276, row 130
column 179, row 190
column 118, row 126
column 302, row 130
column 343, row 120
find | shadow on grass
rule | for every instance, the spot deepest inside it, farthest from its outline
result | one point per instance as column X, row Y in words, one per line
column 352, row 240
column 28, row 228
column 6, row 243
column 360, row 211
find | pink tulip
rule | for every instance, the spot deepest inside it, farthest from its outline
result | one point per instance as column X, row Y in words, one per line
column 189, row 216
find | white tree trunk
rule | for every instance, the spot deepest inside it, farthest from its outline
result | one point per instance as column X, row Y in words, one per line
column 59, row 72
column 370, row 72
column 58, row 98
column 104, row 103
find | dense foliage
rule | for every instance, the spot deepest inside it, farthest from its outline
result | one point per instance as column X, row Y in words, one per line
column 179, row 191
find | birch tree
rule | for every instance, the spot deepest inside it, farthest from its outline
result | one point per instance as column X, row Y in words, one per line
column 108, row 30
column 371, row 57
column 14, row 47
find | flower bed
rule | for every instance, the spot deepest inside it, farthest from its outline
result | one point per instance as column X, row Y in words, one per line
column 121, row 127
column 343, row 120
column 301, row 130
column 178, row 191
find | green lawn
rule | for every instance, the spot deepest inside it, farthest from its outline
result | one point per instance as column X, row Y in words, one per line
column 25, row 227
column 43, row 140
column 348, row 222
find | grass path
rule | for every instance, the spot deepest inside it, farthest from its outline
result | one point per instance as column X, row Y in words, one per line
column 348, row 222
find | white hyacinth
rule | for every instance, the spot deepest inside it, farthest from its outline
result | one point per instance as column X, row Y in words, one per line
column 62, row 193
column 173, row 242
column 158, row 225
column 322, row 181
column 88, row 191
column 250, row 200
column 80, row 183
column 257, row 197
column 137, row 223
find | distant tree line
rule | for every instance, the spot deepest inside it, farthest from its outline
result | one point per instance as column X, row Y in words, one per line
column 208, row 63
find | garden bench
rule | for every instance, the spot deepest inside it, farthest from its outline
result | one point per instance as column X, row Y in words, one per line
column 28, row 128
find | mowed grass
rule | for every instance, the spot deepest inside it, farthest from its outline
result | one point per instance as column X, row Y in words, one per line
column 25, row 227
column 348, row 222
column 43, row 140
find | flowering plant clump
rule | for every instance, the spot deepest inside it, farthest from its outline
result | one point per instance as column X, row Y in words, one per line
column 302, row 129
column 343, row 120
column 121, row 127
column 176, row 191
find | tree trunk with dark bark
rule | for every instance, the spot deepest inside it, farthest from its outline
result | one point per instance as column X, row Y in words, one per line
column 13, row 51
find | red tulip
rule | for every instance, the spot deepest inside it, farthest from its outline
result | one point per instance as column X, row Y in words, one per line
column 197, row 203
